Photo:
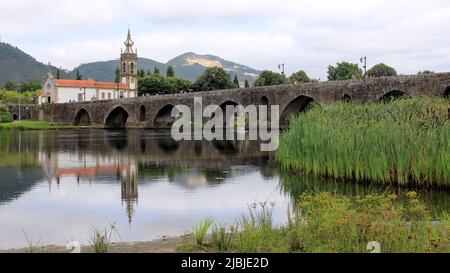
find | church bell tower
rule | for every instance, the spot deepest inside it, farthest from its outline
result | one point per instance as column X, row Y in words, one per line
column 129, row 64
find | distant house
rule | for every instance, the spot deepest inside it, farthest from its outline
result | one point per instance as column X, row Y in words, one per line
column 64, row 91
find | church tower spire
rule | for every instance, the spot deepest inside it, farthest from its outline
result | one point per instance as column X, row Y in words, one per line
column 129, row 64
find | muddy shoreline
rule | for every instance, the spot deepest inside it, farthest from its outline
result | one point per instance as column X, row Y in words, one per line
column 162, row 245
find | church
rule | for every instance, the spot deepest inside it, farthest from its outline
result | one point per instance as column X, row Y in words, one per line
column 66, row 91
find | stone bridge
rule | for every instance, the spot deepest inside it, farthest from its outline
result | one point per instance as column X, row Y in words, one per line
column 155, row 111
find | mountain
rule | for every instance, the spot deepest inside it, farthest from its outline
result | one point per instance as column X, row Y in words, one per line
column 187, row 66
column 18, row 66
column 190, row 65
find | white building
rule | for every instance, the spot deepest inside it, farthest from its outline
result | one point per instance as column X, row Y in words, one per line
column 65, row 91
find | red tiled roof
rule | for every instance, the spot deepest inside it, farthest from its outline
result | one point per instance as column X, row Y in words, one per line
column 89, row 84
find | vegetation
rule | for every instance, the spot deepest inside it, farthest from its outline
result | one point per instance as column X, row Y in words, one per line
column 5, row 115
column 18, row 66
column 344, row 71
column 325, row 222
column 214, row 78
column 381, row 70
column 28, row 97
column 426, row 72
column 157, row 84
column 31, row 125
column 236, row 81
column 268, row 78
column 201, row 231
column 247, row 84
column 100, row 240
column 299, row 77
column 404, row 142
column 78, row 76
column 170, row 72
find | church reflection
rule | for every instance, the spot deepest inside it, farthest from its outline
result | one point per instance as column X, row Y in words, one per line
column 143, row 157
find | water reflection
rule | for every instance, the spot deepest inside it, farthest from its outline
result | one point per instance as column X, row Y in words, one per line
column 57, row 184
column 170, row 184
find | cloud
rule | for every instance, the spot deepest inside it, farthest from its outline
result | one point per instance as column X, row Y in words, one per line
column 310, row 35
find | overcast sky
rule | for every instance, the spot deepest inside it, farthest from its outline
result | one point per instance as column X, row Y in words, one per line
column 410, row 35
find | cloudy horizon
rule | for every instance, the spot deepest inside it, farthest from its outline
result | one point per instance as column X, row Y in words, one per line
column 409, row 35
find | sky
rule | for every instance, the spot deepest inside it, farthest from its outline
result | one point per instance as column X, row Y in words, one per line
column 410, row 35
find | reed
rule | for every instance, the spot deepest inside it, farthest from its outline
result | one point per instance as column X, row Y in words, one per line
column 403, row 142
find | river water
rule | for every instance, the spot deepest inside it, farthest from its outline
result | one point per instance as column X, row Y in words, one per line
column 56, row 186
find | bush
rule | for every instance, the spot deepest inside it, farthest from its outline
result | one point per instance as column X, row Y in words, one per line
column 5, row 115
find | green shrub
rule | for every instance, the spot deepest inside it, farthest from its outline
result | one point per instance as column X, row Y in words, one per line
column 5, row 116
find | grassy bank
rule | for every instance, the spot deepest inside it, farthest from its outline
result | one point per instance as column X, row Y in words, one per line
column 31, row 125
column 330, row 223
column 401, row 142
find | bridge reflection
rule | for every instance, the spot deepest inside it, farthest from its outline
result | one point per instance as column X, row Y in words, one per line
column 136, row 157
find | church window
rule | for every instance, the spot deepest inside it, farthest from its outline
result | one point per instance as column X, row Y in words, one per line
column 124, row 67
column 132, row 68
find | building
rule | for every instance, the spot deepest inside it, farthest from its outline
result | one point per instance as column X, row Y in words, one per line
column 66, row 91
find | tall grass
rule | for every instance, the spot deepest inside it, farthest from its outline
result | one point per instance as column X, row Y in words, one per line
column 100, row 240
column 326, row 222
column 400, row 142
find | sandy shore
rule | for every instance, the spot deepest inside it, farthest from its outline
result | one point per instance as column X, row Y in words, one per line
column 163, row 245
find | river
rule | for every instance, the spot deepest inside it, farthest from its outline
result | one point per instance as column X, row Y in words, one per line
column 56, row 186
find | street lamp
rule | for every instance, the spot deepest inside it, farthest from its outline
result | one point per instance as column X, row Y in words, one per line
column 363, row 60
column 20, row 94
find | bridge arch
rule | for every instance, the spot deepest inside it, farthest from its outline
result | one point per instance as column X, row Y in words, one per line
column 264, row 101
column 117, row 118
column 82, row 118
column 294, row 108
column 346, row 98
column 142, row 113
column 164, row 116
column 393, row 95
column 227, row 120
column 447, row 92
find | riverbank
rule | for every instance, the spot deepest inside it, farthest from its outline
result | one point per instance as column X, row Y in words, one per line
column 163, row 245
column 32, row 125
column 403, row 142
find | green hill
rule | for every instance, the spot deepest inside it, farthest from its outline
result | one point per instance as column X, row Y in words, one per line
column 18, row 66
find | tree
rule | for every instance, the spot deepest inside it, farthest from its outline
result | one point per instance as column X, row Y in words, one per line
column 9, row 85
column 214, row 78
column 117, row 78
column 156, row 71
column 344, row 71
column 170, row 72
column 236, row 81
column 247, row 84
column 299, row 77
column 58, row 76
column 157, row 84
column 268, row 78
column 5, row 115
column 381, row 70
column 176, row 85
column 141, row 73
column 78, row 75
column 425, row 72
column 153, row 84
